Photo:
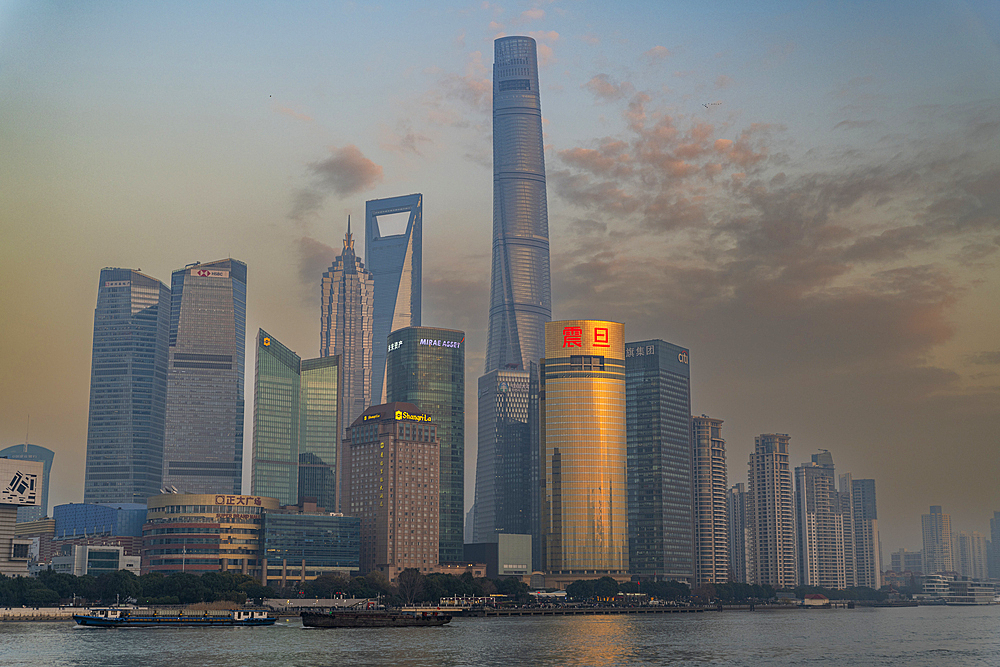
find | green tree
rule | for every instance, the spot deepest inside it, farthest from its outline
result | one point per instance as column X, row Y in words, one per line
column 118, row 586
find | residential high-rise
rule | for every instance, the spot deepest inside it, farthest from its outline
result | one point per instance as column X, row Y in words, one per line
column 710, row 513
column 993, row 555
column 969, row 554
column 28, row 452
column 867, row 547
column 520, row 292
column 395, row 260
column 584, row 494
column 740, row 535
column 907, row 561
column 822, row 521
column 936, row 528
column 391, row 482
column 128, row 389
column 425, row 366
column 771, row 511
column 203, row 447
column 660, row 475
column 295, row 436
column 346, row 321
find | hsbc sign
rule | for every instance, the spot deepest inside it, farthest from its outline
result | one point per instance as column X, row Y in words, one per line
column 209, row 273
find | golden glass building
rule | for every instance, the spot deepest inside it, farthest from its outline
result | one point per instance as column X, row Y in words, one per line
column 584, row 491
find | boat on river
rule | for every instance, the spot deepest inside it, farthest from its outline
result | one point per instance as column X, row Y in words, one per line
column 125, row 617
column 375, row 618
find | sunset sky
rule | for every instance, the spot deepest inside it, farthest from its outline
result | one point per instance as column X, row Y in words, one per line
column 805, row 194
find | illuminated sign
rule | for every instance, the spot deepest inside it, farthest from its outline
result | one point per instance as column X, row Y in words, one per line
column 601, row 337
column 117, row 283
column 238, row 500
column 367, row 417
column 395, row 346
column 266, row 341
column 402, row 414
column 440, row 343
column 682, row 356
column 573, row 337
column 209, row 273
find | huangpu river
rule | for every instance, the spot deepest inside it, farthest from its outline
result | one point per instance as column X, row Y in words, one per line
column 855, row 637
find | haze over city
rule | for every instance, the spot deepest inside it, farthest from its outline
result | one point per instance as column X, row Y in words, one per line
column 805, row 196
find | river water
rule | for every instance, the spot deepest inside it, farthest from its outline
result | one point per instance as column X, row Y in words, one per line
column 855, row 637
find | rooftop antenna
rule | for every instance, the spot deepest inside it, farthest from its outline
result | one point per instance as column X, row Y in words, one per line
column 27, row 430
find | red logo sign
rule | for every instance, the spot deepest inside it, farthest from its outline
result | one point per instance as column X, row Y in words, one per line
column 601, row 337
column 203, row 273
column 572, row 337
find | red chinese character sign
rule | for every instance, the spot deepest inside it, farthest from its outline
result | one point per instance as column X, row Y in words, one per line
column 572, row 337
column 601, row 338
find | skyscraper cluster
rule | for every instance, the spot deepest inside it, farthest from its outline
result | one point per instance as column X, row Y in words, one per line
column 587, row 449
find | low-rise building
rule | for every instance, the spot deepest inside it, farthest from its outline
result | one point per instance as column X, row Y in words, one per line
column 80, row 559
column 300, row 546
column 200, row 533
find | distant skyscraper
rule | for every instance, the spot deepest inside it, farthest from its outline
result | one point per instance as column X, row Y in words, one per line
column 994, row 550
column 772, row 512
column 660, row 483
column 740, row 535
column 520, row 292
column 426, row 366
column 710, row 486
column 937, row 541
column 128, row 388
column 907, row 561
column 394, row 259
column 295, row 437
column 867, row 548
column 346, row 321
column 28, row 452
column 203, row 449
column 821, row 520
column 969, row 553
column 585, row 498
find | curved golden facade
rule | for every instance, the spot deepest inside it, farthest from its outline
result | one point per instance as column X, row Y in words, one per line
column 584, row 492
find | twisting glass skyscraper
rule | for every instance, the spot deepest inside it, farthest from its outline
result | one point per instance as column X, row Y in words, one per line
column 520, row 293
column 203, row 446
column 520, row 301
column 128, row 387
column 346, row 308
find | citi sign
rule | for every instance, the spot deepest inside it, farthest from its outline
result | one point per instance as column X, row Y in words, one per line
column 682, row 357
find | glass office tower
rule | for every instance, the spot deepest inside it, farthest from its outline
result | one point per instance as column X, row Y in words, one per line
column 426, row 366
column 295, row 425
column 661, row 513
column 346, row 312
column 584, row 495
column 395, row 261
column 520, row 292
column 203, row 448
column 128, row 389
column 28, row 452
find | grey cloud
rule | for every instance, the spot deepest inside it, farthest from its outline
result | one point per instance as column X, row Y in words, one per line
column 984, row 359
column 346, row 172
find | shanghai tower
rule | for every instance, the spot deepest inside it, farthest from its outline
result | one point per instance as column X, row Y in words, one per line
column 520, row 304
column 520, row 295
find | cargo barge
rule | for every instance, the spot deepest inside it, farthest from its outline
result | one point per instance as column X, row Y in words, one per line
column 116, row 617
column 374, row 618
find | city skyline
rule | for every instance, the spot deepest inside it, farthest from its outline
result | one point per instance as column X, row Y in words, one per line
column 825, row 247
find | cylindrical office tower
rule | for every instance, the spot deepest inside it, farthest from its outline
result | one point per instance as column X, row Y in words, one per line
column 520, row 291
column 584, row 492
